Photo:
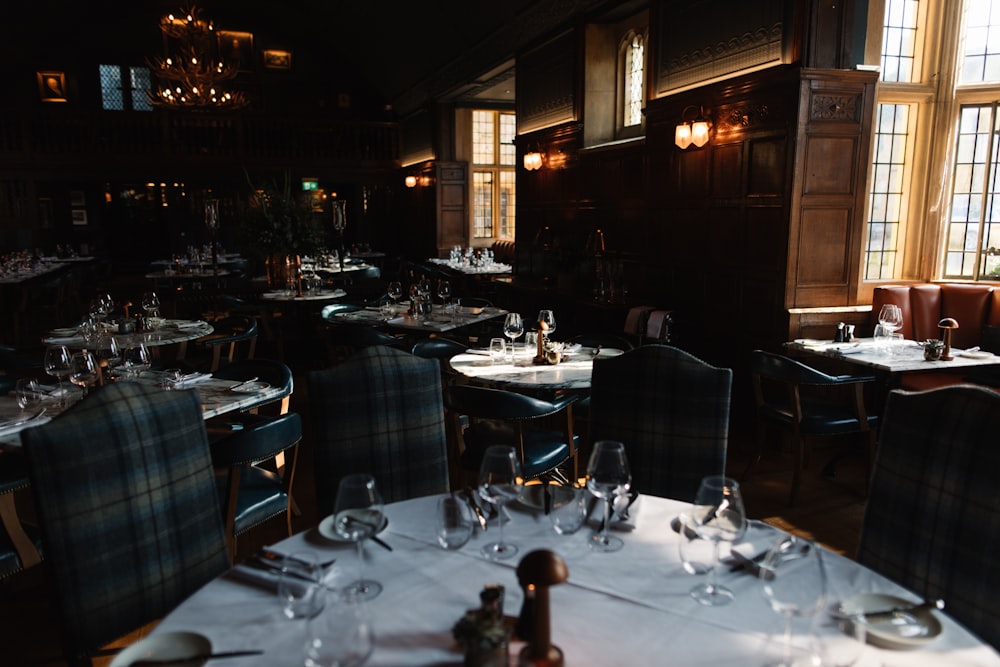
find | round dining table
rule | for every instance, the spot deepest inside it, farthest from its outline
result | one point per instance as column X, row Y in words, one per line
column 166, row 332
column 631, row 606
column 520, row 372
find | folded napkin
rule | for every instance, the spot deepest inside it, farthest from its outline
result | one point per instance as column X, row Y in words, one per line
column 266, row 579
column 623, row 514
column 192, row 379
column 190, row 325
column 63, row 340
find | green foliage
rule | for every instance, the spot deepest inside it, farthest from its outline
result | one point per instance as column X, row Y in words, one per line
column 276, row 219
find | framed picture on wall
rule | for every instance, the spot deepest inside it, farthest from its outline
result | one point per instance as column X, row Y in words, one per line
column 52, row 86
column 237, row 48
column 79, row 216
column 76, row 198
column 277, row 59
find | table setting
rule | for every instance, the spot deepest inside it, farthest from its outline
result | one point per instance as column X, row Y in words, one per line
column 455, row 589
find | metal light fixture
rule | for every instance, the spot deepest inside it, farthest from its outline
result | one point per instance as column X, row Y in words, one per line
column 693, row 130
column 410, row 181
column 533, row 158
column 193, row 78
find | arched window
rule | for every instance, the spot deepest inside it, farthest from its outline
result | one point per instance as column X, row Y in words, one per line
column 631, row 83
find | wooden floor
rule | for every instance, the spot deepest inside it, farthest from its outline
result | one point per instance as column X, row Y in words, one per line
column 828, row 510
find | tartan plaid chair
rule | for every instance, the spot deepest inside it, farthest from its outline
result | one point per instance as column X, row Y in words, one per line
column 381, row 412
column 128, row 510
column 931, row 523
column 670, row 409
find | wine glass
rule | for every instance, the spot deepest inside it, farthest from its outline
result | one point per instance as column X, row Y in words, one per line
column 795, row 586
column 151, row 304
column 890, row 317
column 395, row 291
column 719, row 516
column 357, row 515
column 135, row 359
column 444, row 291
column 549, row 318
column 58, row 364
column 608, row 476
column 500, row 480
column 513, row 327
column 84, row 370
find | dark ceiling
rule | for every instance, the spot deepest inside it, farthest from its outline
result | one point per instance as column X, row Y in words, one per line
column 409, row 52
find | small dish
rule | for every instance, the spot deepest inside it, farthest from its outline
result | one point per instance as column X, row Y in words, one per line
column 166, row 646
column 327, row 530
column 251, row 387
column 904, row 631
column 975, row 354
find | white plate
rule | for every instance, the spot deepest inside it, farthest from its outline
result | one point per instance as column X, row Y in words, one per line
column 327, row 530
column 251, row 387
column 902, row 632
column 975, row 354
column 164, row 646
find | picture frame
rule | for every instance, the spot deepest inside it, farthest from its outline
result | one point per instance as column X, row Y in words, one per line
column 236, row 47
column 76, row 198
column 52, row 86
column 79, row 216
column 277, row 59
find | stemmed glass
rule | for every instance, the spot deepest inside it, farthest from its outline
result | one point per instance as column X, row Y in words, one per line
column 549, row 318
column 891, row 318
column 444, row 291
column 357, row 515
column 395, row 291
column 58, row 364
column 608, row 476
column 500, row 480
column 84, row 370
column 151, row 304
column 795, row 586
column 135, row 359
column 513, row 327
column 719, row 516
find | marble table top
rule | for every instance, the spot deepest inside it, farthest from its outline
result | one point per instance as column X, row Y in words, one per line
column 906, row 356
column 572, row 373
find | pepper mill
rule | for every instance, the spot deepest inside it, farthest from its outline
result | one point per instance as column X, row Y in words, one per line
column 536, row 572
column 540, row 353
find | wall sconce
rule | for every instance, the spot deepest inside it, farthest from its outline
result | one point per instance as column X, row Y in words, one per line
column 692, row 130
column 533, row 159
column 410, row 181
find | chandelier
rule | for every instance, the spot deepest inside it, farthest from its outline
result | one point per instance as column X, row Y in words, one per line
column 190, row 76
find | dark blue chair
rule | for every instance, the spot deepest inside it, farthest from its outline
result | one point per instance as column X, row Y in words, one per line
column 20, row 543
column 807, row 403
column 127, row 506
column 381, row 412
column 931, row 522
column 671, row 411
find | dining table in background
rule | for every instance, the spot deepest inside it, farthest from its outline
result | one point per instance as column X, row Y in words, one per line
column 632, row 606
column 887, row 362
column 522, row 373
column 441, row 319
column 167, row 332
column 305, row 296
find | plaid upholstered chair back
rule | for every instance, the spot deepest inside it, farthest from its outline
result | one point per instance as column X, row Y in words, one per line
column 932, row 511
column 127, row 504
column 670, row 409
column 381, row 412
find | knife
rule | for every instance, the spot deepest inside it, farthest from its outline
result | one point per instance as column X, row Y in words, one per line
column 471, row 497
column 243, row 384
column 902, row 609
column 200, row 657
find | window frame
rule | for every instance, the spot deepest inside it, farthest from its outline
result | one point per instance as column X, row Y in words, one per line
column 499, row 184
column 129, row 93
column 623, row 131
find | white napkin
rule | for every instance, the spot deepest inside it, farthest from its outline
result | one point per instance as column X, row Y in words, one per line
column 265, row 579
column 64, row 340
column 190, row 325
column 623, row 515
column 192, row 379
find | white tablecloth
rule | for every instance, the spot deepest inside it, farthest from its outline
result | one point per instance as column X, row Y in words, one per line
column 630, row 607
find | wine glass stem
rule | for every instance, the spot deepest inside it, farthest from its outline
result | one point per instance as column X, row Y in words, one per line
column 607, row 520
column 361, row 566
column 788, row 640
column 710, row 584
column 500, row 544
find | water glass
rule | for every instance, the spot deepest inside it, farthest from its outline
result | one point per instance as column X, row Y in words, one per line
column 342, row 635
column 299, row 585
column 29, row 395
column 697, row 555
column 498, row 350
column 454, row 523
column 569, row 508
column 896, row 344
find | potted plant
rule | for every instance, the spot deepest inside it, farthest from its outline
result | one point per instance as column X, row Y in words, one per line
column 278, row 226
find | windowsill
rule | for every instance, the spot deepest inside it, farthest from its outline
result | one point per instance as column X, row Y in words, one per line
column 617, row 143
